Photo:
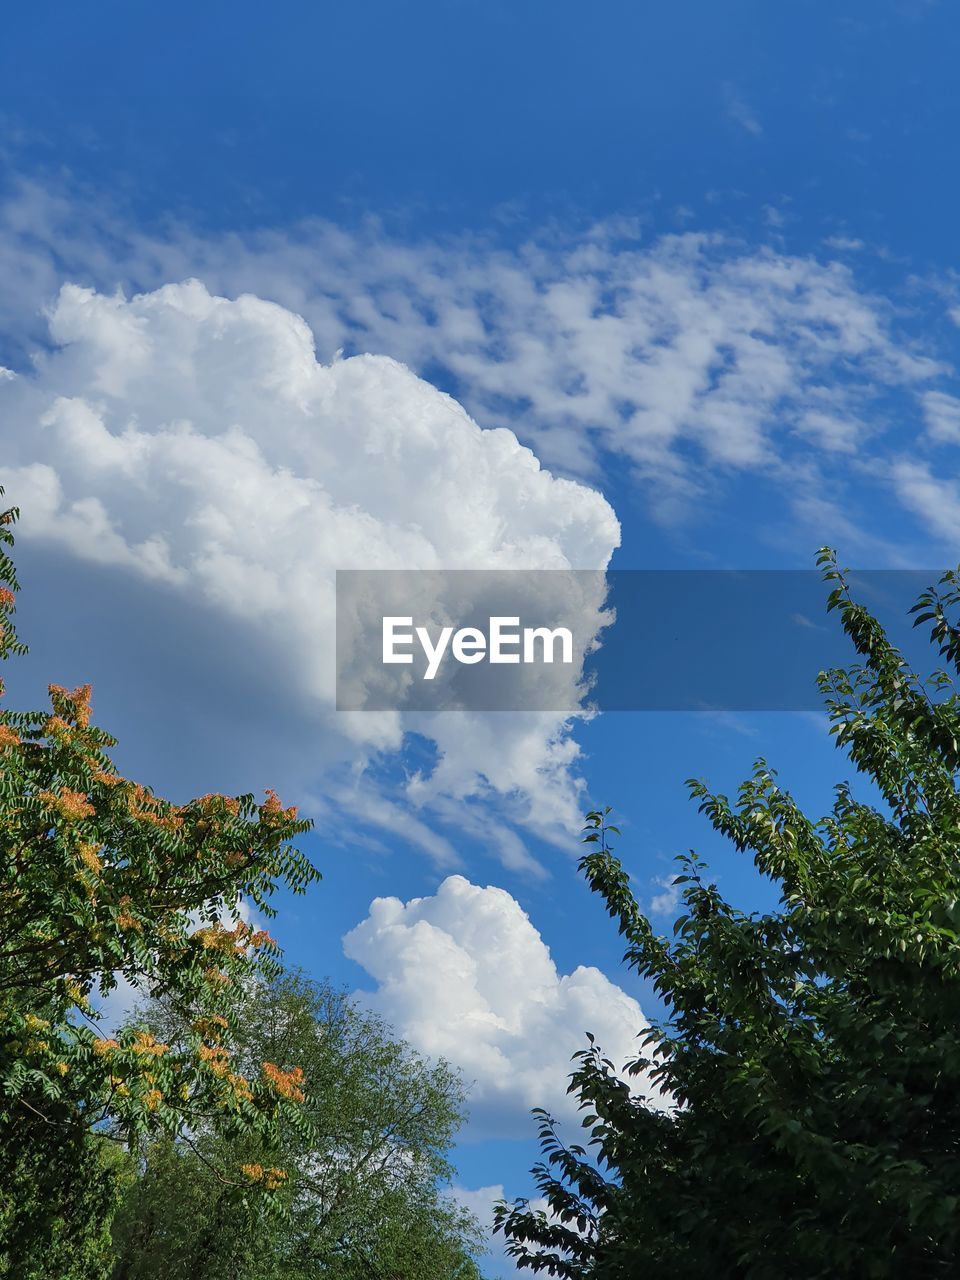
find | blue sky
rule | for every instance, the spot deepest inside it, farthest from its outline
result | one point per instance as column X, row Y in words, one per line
column 699, row 259
column 443, row 113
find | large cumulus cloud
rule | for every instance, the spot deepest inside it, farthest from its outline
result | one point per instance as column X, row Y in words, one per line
column 194, row 445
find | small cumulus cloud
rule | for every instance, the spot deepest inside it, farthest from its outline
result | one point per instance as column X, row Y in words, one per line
column 464, row 975
column 480, row 1202
column 666, row 902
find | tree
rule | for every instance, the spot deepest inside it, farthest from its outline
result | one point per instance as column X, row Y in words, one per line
column 102, row 881
column 812, row 1053
column 361, row 1199
column 60, row 1188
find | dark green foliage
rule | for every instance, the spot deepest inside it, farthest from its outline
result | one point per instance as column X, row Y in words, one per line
column 59, row 1188
column 813, row 1052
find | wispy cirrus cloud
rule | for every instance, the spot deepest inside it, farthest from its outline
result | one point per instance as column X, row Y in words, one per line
column 694, row 358
column 941, row 413
column 934, row 497
column 739, row 112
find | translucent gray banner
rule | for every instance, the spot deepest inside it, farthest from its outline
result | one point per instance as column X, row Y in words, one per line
column 625, row 640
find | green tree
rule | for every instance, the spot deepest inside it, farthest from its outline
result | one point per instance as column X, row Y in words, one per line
column 362, row 1196
column 102, row 881
column 60, row 1188
column 812, row 1053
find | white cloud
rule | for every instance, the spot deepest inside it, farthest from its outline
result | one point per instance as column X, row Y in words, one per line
column 691, row 358
column 935, row 499
column 740, row 112
column 464, row 975
column 942, row 415
column 480, row 1201
column 666, row 902
column 844, row 244
column 196, row 444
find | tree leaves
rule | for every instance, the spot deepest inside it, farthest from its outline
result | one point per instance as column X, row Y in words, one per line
column 101, row 882
column 812, row 1053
